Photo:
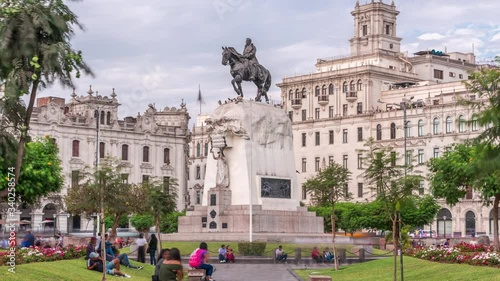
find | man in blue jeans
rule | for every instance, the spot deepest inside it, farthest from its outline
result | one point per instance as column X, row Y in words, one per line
column 281, row 256
column 222, row 254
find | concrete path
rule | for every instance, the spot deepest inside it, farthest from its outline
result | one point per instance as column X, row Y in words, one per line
column 252, row 272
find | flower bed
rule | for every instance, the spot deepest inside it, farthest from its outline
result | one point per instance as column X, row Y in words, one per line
column 38, row 254
column 460, row 253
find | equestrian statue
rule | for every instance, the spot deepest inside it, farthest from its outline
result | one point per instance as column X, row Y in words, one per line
column 246, row 67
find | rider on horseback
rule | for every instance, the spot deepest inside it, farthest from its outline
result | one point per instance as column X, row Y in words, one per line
column 251, row 61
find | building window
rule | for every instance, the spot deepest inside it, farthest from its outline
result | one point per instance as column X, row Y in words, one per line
column 316, row 91
column 331, row 89
column 166, row 156
column 198, row 197
column 365, row 30
column 316, row 164
column 436, row 152
column 393, row 158
column 304, row 117
column 387, row 29
column 421, row 188
column 344, row 136
column 102, row 148
column 344, row 110
column 359, row 108
column 460, row 76
column 474, row 122
column 360, row 133
column 452, row 74
column 290, row 115
column 304, row 193
column 359, row 85
column 330, row 137
column 379, row 132
column 438, row 74
column 408, row 158
column 125, row 152
column 145, row 154
column 76, row 148
column 420, row 128
column 330, row 112
column 408, row 129
column 303, row 93
column 124, row 178
column 297, row 94
column 316, row 113
column 290, row 95
column 206, row 149
column 317, row 138
column 166, row 185
column 448, row 125
column 421, row 158
column 345, row 87
column 461, row 124
column 145, row 179
column 360, row 189
column 304, row 139
column 108, row 118
column 304, row 165
column 75, row 178
column 352, row 86
column 393, row 131
column 346, row 189
column 198, row 172
column 330, row 160
column 360, row 161
column 198, row 150
column 103, row 115
column 323, row 90
column 344, row 161
column 435, row 126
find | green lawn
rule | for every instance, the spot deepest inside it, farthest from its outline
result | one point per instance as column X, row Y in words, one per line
column 415, row 269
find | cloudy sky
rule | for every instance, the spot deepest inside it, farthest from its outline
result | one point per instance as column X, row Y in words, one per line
column 159, row 51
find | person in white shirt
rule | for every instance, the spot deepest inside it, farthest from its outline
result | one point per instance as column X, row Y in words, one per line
column 141, row 248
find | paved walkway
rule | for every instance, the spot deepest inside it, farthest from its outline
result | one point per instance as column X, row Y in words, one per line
column 252, row 272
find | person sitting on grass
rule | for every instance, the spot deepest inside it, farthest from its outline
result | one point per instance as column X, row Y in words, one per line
column 229, row 254
column 316, row 256
column 281, row 256
column 112, row 268
column 199, row 260
column 222, row 253
column 171, row 267
column 123, row 258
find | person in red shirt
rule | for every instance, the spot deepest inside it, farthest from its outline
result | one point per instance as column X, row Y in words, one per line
column 316, row 256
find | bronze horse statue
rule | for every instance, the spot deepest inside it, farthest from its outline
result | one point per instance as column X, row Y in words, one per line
column 241, row 70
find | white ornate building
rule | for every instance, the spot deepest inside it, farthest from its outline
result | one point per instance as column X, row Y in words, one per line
column 150, row 145
column 357, row 96
column 198, row 152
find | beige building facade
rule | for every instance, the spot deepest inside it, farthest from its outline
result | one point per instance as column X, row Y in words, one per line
column 361, row 95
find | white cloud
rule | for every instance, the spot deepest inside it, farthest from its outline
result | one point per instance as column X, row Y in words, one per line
column 495, row 37
column 430, row 36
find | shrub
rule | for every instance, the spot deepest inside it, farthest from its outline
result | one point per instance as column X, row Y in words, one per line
column 38, row 254
column 251, row 248
column 142, row 222
column 169, row 222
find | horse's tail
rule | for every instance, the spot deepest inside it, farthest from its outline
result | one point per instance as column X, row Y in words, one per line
column 267, row 83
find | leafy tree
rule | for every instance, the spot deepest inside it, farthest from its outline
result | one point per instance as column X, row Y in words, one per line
column 119, row 197
column 392, row 184
column 328, row 187
column 109, row 221
column 35, row 51
column 169, row 222
column 41, row 170
column 142, row 222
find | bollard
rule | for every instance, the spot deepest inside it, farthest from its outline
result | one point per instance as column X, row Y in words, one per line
column 298, row 255
column 361, row 254
column 342, row 255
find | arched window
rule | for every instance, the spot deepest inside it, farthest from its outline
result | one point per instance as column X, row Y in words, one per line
column 102, row 150
column 145, row 154
column 435, row 126
column 331, row 89
column 393, row 131
column 125, row 152
column 359, row 85
column 420, row 128
column 448, row 125
column 444, row 222
column 108, row 118
column 166, row 156
column 198, row 150
column 352, row 87
column 345, row 87
column 492, row 219
column 408, row 129
column 290, row 95
column 76, row 148
column 474, row 123
column 297, row 94
column 96, row 114
column 316, row 91
column 303, row 92
column 102, row 117
column 470, row 223
column 379, row 132
column 206, row 149
column 323, row 90
column 461, row 124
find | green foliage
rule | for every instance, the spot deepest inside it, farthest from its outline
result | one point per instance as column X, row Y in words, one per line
column 41, row 171
column 169, row 222
column 142, row 222
column 109, row 220
column 251, row 248
column 329, row 185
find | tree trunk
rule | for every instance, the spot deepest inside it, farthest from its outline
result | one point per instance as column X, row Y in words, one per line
column 157, row 225
column 495, row 222
column 113, row 234
column 335, row 258
column 395, row 242
column 24, row 135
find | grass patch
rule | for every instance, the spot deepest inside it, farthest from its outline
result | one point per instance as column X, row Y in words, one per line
column 415, row 269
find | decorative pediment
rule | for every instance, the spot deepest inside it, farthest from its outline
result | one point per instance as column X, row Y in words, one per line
column 76, row 161
column 125, row 164
column 146, row 166
column 167, row 167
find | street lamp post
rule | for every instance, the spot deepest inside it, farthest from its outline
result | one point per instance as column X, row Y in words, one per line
column 444, row 226
column 55, row 222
